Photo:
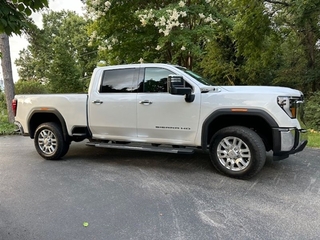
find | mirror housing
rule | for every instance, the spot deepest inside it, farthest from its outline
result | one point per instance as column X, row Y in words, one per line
column 176, row 86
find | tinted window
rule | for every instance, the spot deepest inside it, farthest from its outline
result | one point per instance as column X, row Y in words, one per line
column 155, row 79
column 118, row 80
column 194, row 75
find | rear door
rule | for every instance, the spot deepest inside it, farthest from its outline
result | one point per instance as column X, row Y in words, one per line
column 112, row 110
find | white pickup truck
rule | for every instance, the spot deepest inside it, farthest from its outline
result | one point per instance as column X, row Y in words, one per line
column 167, row 108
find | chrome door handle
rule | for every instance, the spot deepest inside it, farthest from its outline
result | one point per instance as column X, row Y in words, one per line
column 97, row 102
column 145, row 102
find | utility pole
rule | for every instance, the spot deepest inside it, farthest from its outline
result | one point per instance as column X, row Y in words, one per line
column 7, row 73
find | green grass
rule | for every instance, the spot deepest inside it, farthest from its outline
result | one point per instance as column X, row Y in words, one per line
column 313, row 139
column 7, row 128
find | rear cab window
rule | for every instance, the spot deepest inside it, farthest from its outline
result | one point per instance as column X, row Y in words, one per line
column 118, row 81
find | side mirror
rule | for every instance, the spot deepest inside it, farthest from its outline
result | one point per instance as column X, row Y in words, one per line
column 176, row 86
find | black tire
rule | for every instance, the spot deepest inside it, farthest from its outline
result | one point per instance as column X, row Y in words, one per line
column 49, row 142
column 237, row 152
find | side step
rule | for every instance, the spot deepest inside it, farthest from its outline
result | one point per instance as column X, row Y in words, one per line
column 79, row 134
column 146, row 148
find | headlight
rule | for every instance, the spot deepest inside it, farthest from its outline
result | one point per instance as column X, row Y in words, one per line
column 290, row 105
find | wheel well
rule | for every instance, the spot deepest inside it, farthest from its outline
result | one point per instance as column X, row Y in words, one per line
column 256, row 123
column 42, row 117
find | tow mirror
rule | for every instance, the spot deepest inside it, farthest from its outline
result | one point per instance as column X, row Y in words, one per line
column 177, row 86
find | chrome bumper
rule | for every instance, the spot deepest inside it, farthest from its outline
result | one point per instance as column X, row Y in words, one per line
column 288, row 141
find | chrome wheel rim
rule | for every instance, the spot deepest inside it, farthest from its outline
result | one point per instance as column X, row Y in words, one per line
column 233, row 154
column 47, row 141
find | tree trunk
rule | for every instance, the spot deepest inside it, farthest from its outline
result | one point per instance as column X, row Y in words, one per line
column 7, row 73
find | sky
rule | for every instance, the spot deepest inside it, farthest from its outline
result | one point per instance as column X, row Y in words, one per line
column 18, row 43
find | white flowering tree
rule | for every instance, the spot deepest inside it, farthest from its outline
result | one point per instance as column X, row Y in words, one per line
column 185, row 28
column 117, row 32
column 166, row 31
column 230, row 41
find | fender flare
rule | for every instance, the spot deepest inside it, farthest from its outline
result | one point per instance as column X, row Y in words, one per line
column 228, row 111
column 51, row 111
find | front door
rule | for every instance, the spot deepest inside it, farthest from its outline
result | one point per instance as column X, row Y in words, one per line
column 161, row 116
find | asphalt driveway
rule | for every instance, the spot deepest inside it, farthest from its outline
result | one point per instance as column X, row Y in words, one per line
column 140, row 195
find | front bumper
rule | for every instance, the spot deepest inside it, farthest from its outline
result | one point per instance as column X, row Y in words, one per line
column 287, row 141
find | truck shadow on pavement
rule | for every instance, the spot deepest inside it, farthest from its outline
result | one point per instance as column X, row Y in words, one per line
column 198, row 162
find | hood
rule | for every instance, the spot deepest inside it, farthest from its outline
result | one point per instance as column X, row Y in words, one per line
column 280, row 91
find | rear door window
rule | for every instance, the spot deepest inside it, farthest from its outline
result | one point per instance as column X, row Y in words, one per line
column 117, row 81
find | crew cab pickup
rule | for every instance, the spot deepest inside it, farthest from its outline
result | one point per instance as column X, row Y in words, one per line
column 167, row 108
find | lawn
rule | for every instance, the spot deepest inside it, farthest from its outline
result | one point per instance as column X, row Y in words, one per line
column 6, row 128
column 313, row 139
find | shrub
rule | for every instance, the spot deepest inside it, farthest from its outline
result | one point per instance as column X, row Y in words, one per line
column 29, row 87
column 3, row 108
column 312, row 111
column 3, row 104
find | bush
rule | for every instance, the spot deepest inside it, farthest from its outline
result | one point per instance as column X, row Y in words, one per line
column 3, row 108
column 312, row 111
column 3, row 104
column 30, row 87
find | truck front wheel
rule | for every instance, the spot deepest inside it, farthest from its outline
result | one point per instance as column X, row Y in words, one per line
column 237, row 152
column 49, row 142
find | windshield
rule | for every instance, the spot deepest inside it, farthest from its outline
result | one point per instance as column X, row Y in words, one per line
column 194, row 75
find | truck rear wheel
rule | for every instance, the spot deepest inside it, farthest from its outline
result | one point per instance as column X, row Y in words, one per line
column 237, row 152
column 49, row 142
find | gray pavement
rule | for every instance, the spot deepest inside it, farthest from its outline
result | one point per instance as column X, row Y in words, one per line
column 140, row 195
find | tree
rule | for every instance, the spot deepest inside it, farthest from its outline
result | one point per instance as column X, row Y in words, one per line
column 14, row 14
column 185, row 29
column 63, row 72
column 13, row 19
column 299, row 19
column 153, row 31
column 29, row 68
column 58, row 54
column 267, row 42
column 7, row 73
column 30, row 87
column 245, row 48
column 117, row 32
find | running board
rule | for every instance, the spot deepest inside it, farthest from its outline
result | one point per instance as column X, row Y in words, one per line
column 141, row 148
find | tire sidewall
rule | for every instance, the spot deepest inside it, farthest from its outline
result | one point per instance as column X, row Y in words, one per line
column 60, row 148
column 254, row 143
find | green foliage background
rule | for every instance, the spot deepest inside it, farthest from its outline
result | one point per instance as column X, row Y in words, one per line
column 246, row 42
column 30, row 87
column 3, row 108
column 58, row 55
column 230, row 42
column 5, row 126
column 312, row 111
column 14, row 14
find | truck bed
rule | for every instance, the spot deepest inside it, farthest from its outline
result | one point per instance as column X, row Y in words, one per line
column 73, row 107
